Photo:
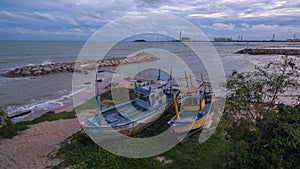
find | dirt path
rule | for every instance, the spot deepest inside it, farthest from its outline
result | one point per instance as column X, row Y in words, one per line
column 30, row 149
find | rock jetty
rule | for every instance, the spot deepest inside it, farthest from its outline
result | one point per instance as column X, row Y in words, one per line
column 270, row 51
column 38, row 70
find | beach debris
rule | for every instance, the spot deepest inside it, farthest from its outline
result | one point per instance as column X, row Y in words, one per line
column 20, row 114
column 163, row 159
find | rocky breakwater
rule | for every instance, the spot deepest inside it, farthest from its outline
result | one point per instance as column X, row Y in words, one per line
column 270, row 51
column 38, row 70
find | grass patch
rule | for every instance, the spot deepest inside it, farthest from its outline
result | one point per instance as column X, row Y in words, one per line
column 159, row 126
column 81, row 152
column 10, row 130
column 49, row 117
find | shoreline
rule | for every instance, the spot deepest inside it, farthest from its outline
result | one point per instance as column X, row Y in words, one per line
column 42, row 139
column 267, row 51
column 65, row 102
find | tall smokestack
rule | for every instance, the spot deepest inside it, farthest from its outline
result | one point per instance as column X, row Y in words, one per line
column 180, row 35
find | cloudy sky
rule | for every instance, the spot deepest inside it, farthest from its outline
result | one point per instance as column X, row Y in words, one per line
column 79, row 19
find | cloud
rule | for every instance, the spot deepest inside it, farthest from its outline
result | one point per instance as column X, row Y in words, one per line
column 219, row 26
column 36, row 16
column 245, row 25
column 11, row 16
column 151, row 3
column 43, row 32
column 273, row 28
column 208, row 15
column 43, row 16
column 215, row 17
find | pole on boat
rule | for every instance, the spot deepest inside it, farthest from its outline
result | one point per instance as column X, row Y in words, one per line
column 202, row 78
column 158, row 78
column 170, row 79
column 187, row 83
column 171, row 75
column 176, row 107
column 191, row 81
column 98, row 98
column 98, row 103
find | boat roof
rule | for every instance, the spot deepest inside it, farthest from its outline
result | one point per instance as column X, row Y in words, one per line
column 151, row 84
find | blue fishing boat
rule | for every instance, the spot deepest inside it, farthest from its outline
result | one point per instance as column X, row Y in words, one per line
column 195, row 110
column 152, row 98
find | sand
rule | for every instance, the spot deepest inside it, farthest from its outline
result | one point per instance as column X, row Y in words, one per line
column 31, row 148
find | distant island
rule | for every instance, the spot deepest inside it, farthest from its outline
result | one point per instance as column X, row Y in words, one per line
column 139, row 40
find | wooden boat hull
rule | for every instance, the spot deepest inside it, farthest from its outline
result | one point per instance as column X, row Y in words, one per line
column 183, row 129
column 101, row 133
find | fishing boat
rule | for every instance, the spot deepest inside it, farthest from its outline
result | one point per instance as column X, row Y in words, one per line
column 152, row 97
column 195, row 110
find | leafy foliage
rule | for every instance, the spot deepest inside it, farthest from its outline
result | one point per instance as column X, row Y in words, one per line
column 264, row 137
column 274, row 141
column 7, row 130
column 255, row 92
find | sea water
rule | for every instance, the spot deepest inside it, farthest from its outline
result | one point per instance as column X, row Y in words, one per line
column 53, row 91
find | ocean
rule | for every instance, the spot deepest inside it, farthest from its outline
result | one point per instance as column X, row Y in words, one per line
column 54, row 91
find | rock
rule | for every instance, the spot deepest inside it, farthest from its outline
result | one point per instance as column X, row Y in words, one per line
column 270, row 51
column 227, row 137
column 80, row 67
column 15, row 72
column 37, row 73
column 35, row 68
column 25, row 71
column 47, row 69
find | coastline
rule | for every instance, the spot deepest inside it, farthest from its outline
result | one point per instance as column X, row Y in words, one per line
column 42, row 140
column 65, row 102
column 79, row 67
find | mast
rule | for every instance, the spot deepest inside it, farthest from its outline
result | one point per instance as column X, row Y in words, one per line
column 171, row 75
column 202, row 78
column 176, row 107
column 187, row 82
column 98, row 98
column 191, row 80
column 158, row 78
column 170, row 79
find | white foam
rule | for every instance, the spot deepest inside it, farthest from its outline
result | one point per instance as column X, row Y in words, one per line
column 47, row 62
column 30, row 64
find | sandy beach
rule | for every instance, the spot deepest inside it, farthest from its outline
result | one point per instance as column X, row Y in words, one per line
column 30, row 148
